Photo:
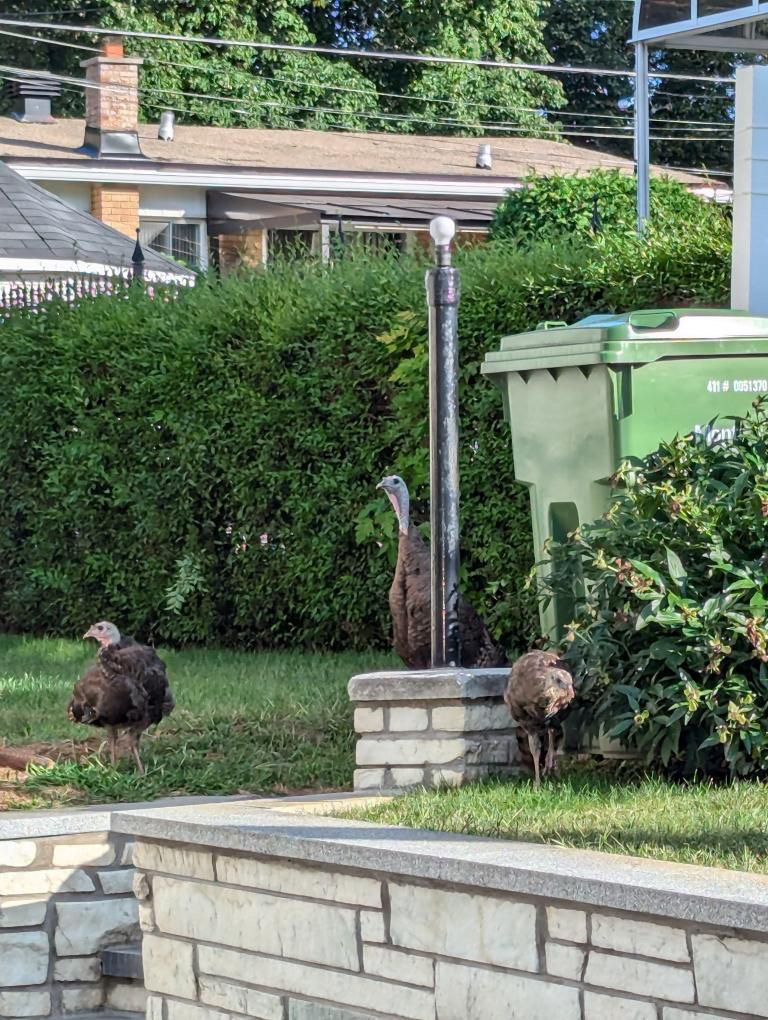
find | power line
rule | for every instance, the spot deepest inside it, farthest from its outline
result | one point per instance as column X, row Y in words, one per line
column 51, row 42
column 709, row 126
column 400, row 141
column 432, row 99
column 495, row 126
column 705, row 170
column 335, row 51
column 72, row 10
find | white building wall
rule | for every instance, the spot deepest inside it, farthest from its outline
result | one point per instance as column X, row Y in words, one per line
column 750, row 192
column 165, row 202
column 156, row 201
column 76, row 194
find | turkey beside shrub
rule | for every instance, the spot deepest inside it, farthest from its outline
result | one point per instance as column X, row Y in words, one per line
column 539, row 688
column 127, row 688
column 410, row 598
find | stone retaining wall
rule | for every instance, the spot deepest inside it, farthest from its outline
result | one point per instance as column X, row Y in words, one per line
column 62, row 899
column 433, row 728
column 272, row 917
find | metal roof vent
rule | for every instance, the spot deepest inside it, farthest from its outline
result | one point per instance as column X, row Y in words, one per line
column 32, row 99
column 165, row 128
column 484, row 161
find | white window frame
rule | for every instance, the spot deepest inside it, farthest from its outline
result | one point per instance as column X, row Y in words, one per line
column 158, row 220
column 752, row 10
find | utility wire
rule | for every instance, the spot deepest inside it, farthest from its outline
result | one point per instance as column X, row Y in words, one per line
column 495, row 126
column 709, row 126
column 401, row 141
column 563, row 112
column 51, row 42
column 335, row 51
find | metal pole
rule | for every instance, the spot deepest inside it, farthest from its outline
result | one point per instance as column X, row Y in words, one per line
column 443, row 301
column 642, row 140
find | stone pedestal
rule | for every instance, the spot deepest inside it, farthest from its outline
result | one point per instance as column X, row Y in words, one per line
column 438, row 727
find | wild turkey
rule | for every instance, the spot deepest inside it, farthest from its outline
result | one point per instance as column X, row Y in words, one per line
column 410, row 598
column 538, row 689
column 126, row 689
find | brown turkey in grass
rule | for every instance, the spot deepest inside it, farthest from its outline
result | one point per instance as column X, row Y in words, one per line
column 127, row 688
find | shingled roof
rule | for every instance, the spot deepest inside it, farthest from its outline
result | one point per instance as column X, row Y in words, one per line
column 37, row 228
column 329, row 152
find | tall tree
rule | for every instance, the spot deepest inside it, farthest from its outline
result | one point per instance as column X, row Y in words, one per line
column 272, row 88
column 690, row 118
column 509, row 30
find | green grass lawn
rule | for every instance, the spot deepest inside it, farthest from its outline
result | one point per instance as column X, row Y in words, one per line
column 277, row 722
column 263, row 723
column 724, row 826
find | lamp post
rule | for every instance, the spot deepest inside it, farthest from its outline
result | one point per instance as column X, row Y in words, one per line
column 443, row 302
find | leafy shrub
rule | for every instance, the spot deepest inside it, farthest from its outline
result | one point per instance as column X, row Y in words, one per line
column 560, row 206
column 203, row 469
column 670, row 631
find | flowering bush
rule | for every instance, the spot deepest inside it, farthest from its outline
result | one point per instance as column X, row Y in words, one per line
column 669, row 634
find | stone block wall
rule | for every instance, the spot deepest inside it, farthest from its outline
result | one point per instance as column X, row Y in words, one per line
column 432, row 728
column 62, row 899
column 231, row 935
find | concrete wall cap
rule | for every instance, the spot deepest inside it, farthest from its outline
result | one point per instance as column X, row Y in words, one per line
column 685, row 892
column 428, row 684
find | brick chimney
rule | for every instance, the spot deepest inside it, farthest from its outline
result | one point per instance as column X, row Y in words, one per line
column 112, row 107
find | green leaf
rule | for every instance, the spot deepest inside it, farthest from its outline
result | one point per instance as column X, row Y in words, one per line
column 676, row 569
column 649, row 572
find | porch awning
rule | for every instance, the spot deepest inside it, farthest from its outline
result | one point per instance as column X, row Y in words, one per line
column 233, row 211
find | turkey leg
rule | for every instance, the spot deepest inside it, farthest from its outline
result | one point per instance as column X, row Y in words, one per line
column 112, row 746
column 549, row 762
column 534, row 742
column 135, row 738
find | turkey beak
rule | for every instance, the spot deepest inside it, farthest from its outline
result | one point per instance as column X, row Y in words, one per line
column 380, row 485
column 88, row 633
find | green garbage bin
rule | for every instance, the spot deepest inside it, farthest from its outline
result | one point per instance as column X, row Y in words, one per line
column 580, row 399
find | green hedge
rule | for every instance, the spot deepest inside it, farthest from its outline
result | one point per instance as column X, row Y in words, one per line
column 564, row 205
column 147, row 445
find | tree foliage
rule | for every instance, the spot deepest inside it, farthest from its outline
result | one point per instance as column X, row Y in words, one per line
column 271, row 88
column 670, row 632
column 595, row 33
column 202, row 469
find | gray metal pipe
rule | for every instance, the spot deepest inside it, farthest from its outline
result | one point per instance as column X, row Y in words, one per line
column 642, row 137
column 443, row 302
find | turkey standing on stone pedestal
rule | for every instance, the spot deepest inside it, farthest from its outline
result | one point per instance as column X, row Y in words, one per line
column 126, row 689
column 410, row 598
column 538, row 689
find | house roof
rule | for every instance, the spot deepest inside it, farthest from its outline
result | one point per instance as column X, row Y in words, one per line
column 36, row 227
column 320, row 151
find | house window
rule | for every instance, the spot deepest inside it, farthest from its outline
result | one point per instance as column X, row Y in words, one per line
column 183, row 240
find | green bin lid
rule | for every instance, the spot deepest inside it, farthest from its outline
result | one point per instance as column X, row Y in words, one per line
column 632, row 338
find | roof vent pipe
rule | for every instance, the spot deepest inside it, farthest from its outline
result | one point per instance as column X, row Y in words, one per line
column 165, row 128
column 484, row 161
